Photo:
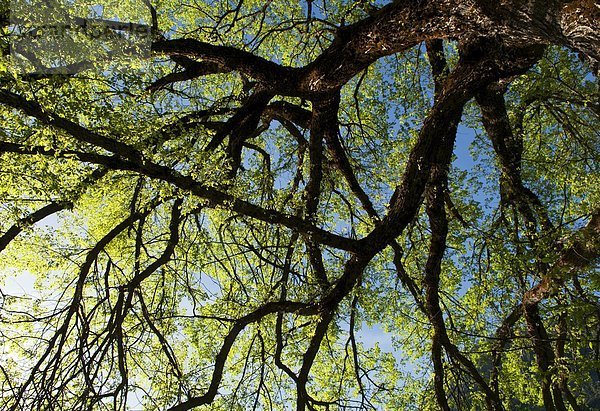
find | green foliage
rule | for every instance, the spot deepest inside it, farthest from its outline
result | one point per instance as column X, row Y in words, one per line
column 225, row 265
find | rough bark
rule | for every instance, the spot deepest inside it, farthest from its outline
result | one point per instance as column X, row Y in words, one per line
column 497, row 40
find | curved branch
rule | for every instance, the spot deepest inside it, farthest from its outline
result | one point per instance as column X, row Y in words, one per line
column 34, row 217
column 221, row 358
column 51, row 208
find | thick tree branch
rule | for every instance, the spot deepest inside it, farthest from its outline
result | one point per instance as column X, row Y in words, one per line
column 583, row 252
column 80, row 133
column 193, row 70
column 214, row 198
column 403, row 24
column 509, row 148
column 229, row 58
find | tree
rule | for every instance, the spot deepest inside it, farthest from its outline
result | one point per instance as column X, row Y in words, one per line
column 233, row 209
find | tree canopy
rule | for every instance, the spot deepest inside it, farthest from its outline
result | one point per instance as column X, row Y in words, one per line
column 221, row 221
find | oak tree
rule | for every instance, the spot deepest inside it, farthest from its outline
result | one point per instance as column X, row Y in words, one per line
column 223, row 221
